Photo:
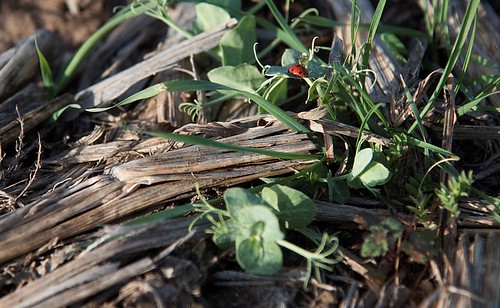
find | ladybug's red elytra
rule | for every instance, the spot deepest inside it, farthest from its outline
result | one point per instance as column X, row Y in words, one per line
column 298, row 70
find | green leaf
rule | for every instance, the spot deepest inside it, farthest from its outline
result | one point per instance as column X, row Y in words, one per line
column 276, row 93
column 375, row 244
column 257, row 234
column 225, row 234
column 144, row 94
column 249, row 253
column 238, row 198
column 209, row 16
column 276, row 70
column 361, row 161
column 247, row 216
column 287, row 35
column 295, row 209
column 237, row 44
column 56, row 115
column 231, row 5
column 316, row 70
column 393, row 226
column 339, row 191
column 194, row 85
column 198, row 140
column 243, row 77
column 259, row 257
column 78, row 58
column 290, row 57
column 374, row 174
column 382, row 236
column 48, row 81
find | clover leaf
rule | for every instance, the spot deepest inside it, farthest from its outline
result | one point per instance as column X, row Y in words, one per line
column 295, row 209
column 256, row 237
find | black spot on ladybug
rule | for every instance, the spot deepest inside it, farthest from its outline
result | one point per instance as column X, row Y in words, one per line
column 298, row 70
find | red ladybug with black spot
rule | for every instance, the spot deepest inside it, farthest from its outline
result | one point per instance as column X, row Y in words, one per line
column 298, row 70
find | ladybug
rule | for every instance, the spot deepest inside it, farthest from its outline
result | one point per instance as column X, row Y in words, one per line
column 298, row 70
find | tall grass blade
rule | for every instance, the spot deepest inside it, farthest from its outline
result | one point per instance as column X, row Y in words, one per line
column 292, row 38
column 78, row 58
column 377, row 15
column 202, row 85
column 467, row 57
column 144, row 94
column 469, row 17
column 189, row 139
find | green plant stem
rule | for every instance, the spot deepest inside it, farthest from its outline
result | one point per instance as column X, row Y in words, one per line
column 314, row 257
column 296, row 43
column 169, row 22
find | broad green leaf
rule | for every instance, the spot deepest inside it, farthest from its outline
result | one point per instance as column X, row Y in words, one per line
column 259, row 257
column 290, row 57
column 249, row 253
column 242, row 77
column 295, row 209
column 209, row 16
column 237, row 44
column 375, row 174
column 316, row 70
column 276, row 70
column 258, row 231
column 237, row 199
column 250, row 215
column 340, row 191
column 361, row 161
column 230, row 4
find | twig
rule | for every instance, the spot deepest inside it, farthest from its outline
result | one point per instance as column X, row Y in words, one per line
column 33, row 173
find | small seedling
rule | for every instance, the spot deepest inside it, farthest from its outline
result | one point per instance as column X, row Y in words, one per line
column 255, row 224
column 382, row 237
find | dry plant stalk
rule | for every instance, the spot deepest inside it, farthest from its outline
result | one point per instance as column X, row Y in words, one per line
column 168, row 176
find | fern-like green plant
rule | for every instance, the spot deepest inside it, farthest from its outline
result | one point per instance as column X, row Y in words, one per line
column 456, row 187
